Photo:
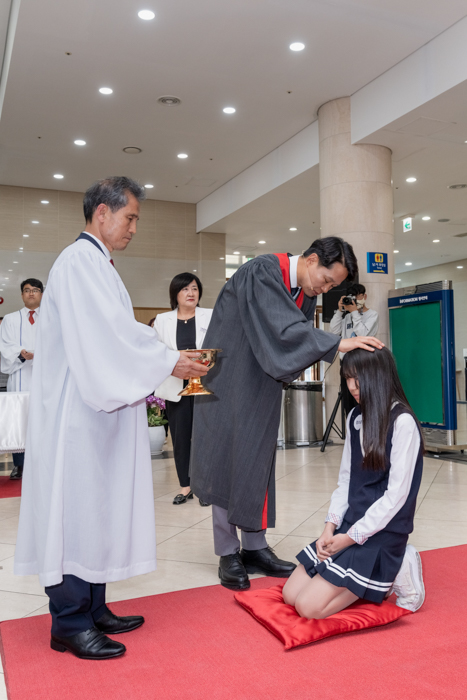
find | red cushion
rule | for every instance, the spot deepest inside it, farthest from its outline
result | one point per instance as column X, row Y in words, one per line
column 268, row 607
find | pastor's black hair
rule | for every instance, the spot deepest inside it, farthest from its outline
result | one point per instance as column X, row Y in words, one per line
column 331, row 250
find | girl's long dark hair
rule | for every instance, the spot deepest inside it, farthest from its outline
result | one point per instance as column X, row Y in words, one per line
column 380, row 386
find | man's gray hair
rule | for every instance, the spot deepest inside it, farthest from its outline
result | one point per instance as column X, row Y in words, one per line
column 112, row 191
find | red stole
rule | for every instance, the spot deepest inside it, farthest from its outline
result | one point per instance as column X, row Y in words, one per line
column 284, row 262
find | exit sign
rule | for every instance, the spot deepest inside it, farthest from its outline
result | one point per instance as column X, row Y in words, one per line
column 407, row 224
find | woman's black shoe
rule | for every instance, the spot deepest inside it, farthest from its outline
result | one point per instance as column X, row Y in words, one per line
column 203, row 503
column 181, row 498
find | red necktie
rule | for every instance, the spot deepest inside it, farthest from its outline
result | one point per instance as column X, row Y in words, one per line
column 31, row 318
column 112, row 262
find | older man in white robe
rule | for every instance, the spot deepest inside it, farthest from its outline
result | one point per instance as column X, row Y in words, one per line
column 87, row 511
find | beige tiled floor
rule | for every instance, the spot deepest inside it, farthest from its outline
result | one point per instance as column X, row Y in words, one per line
column 305, row 481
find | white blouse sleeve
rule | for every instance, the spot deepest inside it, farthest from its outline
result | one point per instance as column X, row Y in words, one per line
column 340, row 498
column 404, row 453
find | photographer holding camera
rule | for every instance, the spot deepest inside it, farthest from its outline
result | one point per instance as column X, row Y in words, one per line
column 353, row 318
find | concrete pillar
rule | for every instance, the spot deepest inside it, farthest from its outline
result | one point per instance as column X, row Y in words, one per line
column 356, row 201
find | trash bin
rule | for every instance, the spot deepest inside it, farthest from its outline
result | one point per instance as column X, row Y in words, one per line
column 303, row 413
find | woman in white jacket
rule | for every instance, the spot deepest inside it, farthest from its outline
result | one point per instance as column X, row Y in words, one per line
column 183, row 328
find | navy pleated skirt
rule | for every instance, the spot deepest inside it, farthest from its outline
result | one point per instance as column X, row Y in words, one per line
column 368, row 570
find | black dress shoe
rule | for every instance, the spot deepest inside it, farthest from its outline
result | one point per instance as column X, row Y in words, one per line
column 203, row 503
column 264, row 561
column 112, row 624
column 17, row 473
column 181, row 498
column 232, row 572
column 91, row 644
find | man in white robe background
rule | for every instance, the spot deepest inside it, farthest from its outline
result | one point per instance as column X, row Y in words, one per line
column 17, row 343
column 87, row 510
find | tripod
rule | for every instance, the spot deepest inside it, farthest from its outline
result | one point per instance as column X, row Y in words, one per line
column 332, row 424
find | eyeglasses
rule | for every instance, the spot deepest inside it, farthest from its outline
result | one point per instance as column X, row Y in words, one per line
column 32, row 291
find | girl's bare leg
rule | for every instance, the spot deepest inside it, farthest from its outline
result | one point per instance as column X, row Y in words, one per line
column 318, row 598
column 294, row 584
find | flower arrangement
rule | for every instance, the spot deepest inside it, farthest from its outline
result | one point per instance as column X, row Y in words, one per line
column 154, row 408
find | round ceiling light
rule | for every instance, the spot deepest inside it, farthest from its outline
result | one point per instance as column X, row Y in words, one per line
column 132, row 149
column 58, row 176
column 44, row 201
column 34, row 222
column 169, row 100
column 460, row 267
column 396, row 251
column 409, row 263
column 146, row 14
column 435, row 240
column 182, row 155
column 398, row 280
column 411, row 179
column 292, row 229
column 229, row 110
column 148, row 187
column 261, row 242
column 79, row 142
column 297, row 46
column 105, row 91
column 25, row 235
column 426, row 218
column 236, row 252
column 221, row 258
column 457, row 187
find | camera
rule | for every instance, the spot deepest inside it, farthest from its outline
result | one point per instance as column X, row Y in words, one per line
column 349, row 300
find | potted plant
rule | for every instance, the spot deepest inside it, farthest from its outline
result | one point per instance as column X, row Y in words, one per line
column 156, row 422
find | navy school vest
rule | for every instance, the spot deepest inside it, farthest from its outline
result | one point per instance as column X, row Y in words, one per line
column 367, row 486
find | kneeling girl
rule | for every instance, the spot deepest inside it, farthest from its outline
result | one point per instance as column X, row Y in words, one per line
column 371, row 514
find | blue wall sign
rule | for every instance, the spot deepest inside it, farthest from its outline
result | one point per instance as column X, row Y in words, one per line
column 377, row 262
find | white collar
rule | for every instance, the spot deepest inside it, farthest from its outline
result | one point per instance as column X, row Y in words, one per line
column 293, row 262
column 101, row 245
column 26, row 310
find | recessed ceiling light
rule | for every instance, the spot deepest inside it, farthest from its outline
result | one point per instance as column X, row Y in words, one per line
column 236, row 252
column 435, row 240
column 261, row 242
column 34, row 222
column 79, row 142
column 10, row 270
column 15, row 262
column 460, row 267
column 21, row 249
column 149, row 187
column 7, row 278
column 169, row 100
column 132, row 150
column 398, row 280
column 146, row 14
column 182, row 155
column 396, row 251
column 411, row 179
column 297, row 46
column 25, row 235
column 57, row 176
column 229, row 110
column 105, row 91
column 426, row 218
column 44, row 201
column 195, row 270
column 408, row 263
column 221, row 258
column 292, row 229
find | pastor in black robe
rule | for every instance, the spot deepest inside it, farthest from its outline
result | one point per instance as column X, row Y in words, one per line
column 265, row 340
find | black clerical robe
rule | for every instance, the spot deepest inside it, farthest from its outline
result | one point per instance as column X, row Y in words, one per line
column 265, row 340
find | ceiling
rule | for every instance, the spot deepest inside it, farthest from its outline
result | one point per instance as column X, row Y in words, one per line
column 210, row 54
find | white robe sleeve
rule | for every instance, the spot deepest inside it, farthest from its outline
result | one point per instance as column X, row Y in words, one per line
column 114, row 360
column 340, row 498
column 404, row 453
column 9, row 345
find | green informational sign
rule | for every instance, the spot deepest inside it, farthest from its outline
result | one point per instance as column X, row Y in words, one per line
column 417, row 346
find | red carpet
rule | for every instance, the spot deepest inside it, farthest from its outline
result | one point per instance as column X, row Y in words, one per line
column 201, row 645
column 8, row 488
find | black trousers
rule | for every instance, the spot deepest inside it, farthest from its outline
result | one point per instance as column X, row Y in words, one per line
column 180, row 417
column 18, row 459
column 75, row 605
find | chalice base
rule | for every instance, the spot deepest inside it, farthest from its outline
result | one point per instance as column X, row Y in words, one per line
column 195, row 388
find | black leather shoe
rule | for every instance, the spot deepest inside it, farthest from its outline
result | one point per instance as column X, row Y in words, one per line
column 17, row 473
column 112, row 624
column 264, row 561
column 203, row 503
column 181, row 498
column 91, row 644
column 232, row 572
